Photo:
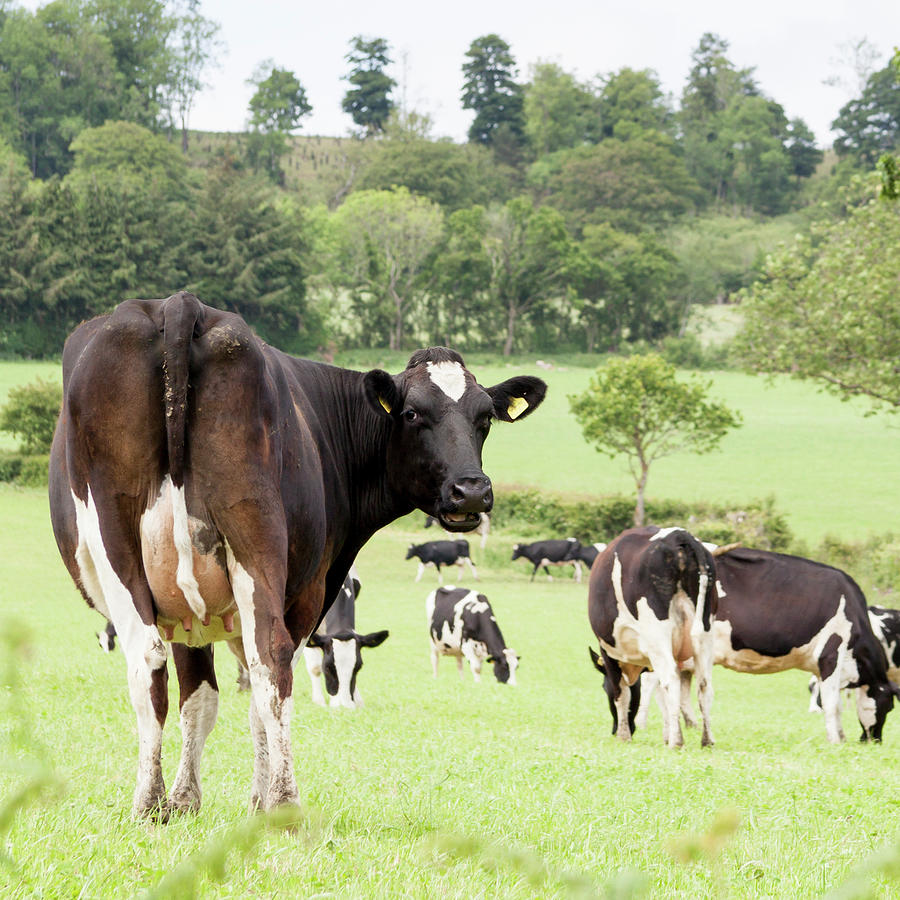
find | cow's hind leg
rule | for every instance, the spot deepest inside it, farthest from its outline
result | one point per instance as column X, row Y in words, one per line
column 199, row 705
column 113, row 576
column 687, row 712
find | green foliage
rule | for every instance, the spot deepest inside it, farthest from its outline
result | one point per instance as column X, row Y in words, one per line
column 636, row 407
column 826, row 307
column 490, row 89
column 869, row 125
column 558, row 111
column 368, row 102
column 30, row 413
column 874, row 562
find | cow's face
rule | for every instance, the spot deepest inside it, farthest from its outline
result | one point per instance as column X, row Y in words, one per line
column 441, row 417
column 873, row 703
column 342, row 660
column 411, row 552
column 517, row 551
column 505, row 666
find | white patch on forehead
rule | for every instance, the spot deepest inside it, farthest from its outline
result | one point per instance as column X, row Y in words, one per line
column 450, row 377
column 345, row 664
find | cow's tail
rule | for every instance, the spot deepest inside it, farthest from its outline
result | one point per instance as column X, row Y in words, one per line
column 705, row 602
column 181, row 313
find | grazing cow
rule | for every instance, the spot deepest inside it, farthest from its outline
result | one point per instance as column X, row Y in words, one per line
column 779, row 612
column 205, row 486
column 483, row 528
column 651, row 604
column 462, row 624
column 334, row 649
column 587, row 553
column 542, row 554
column 441, row 553
column 107, row 640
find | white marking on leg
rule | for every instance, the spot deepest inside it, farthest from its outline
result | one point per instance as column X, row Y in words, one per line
column 313, row 657
column 273, row 711
column 649, row 684
column 141, row 644
column 450, row 377
column 198, row 715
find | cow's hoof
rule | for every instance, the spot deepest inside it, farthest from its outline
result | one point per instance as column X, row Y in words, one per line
column 182, row 802
column 156, row 810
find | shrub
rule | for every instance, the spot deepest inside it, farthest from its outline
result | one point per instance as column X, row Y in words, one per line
column 30, row 413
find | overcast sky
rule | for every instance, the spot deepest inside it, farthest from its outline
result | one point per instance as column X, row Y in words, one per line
column 794, row 45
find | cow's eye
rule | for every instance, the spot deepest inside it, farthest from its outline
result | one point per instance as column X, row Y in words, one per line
column 410, row 415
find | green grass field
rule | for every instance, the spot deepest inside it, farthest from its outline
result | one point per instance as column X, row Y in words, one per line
column 446, row 788
column 436, row 787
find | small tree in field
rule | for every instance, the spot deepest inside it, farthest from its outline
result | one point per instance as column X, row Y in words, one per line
column 30, row 413
column 637, row 407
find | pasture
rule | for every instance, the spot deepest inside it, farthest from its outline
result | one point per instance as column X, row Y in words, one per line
column 447, row 788
column 436, row 787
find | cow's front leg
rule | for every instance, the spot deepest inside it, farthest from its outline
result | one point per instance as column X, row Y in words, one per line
column 831, row 661
column 199, row 705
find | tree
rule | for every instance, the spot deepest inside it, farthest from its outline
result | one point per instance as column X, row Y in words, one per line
column 368, row 102
column 632, row 101
column 193, row 45
column 276, row 109
column 826, row 307
column 529, row 250
column 637, row 407
column 558, row 111
column 386, row 239
column 870, row 124
column 490, row 89
column 30, row 412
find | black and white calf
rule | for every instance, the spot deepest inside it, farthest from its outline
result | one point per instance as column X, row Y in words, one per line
column 461, row 623
column 543, row 554
column 651, row 604
column 334, row 649
column 441, row 553
column 107, row 638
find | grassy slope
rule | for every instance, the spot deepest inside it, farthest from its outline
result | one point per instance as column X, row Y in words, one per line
column 830, row 468
column 506, row 781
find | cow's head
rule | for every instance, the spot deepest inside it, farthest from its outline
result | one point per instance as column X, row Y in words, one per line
column 342, row 660
column 517, row 551
column 505, row 666
column 412, row 551
column 612, row 690
column 441, row 417
column 873, row 703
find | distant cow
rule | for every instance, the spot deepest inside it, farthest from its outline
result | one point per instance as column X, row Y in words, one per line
column 779, row 612
column 107, row 639
column 441, row 553
column 483, row 528
column 543, row 554
column 587, row 553
column 462, row 624
column 334, row 649
column 206, row 487
column 651, row 604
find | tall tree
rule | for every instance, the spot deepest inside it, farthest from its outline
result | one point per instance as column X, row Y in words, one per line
column 870, row 125
column 276, row 109
column 636, row 407
column 194, row 44
column 491, row 90
column 558, row 111
column 369, row 100
column 826, row 308
column 529, row 250
column 631, row 102
column 386, row 239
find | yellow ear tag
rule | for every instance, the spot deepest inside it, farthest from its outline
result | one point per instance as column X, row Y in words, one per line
column 516, row 407
column 382, row 401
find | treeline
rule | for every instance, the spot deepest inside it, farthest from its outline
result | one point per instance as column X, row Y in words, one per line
column 585, row 216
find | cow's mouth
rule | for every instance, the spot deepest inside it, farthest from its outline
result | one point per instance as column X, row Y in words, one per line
column 459, row 521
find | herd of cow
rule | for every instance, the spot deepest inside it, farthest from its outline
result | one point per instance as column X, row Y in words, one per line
column 206, row 487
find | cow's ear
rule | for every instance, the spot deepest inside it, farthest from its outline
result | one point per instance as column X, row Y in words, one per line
column 595, row 659
column 382, row 393
column 374, row 639
column 517, row 397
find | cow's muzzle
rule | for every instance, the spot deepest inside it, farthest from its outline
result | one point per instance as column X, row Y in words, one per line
column 463, row 500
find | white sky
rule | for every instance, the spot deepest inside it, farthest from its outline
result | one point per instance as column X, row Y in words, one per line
column 793, row 44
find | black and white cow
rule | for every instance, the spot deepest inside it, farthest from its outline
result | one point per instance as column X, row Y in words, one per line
column 587, row 553
column 334, row 650
column 107, row 639
column 461, row 623
column 543, row 554
column 778, row 612
column 206, row 487
column 651, row 604
column 483, row 528
column 441, row 553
